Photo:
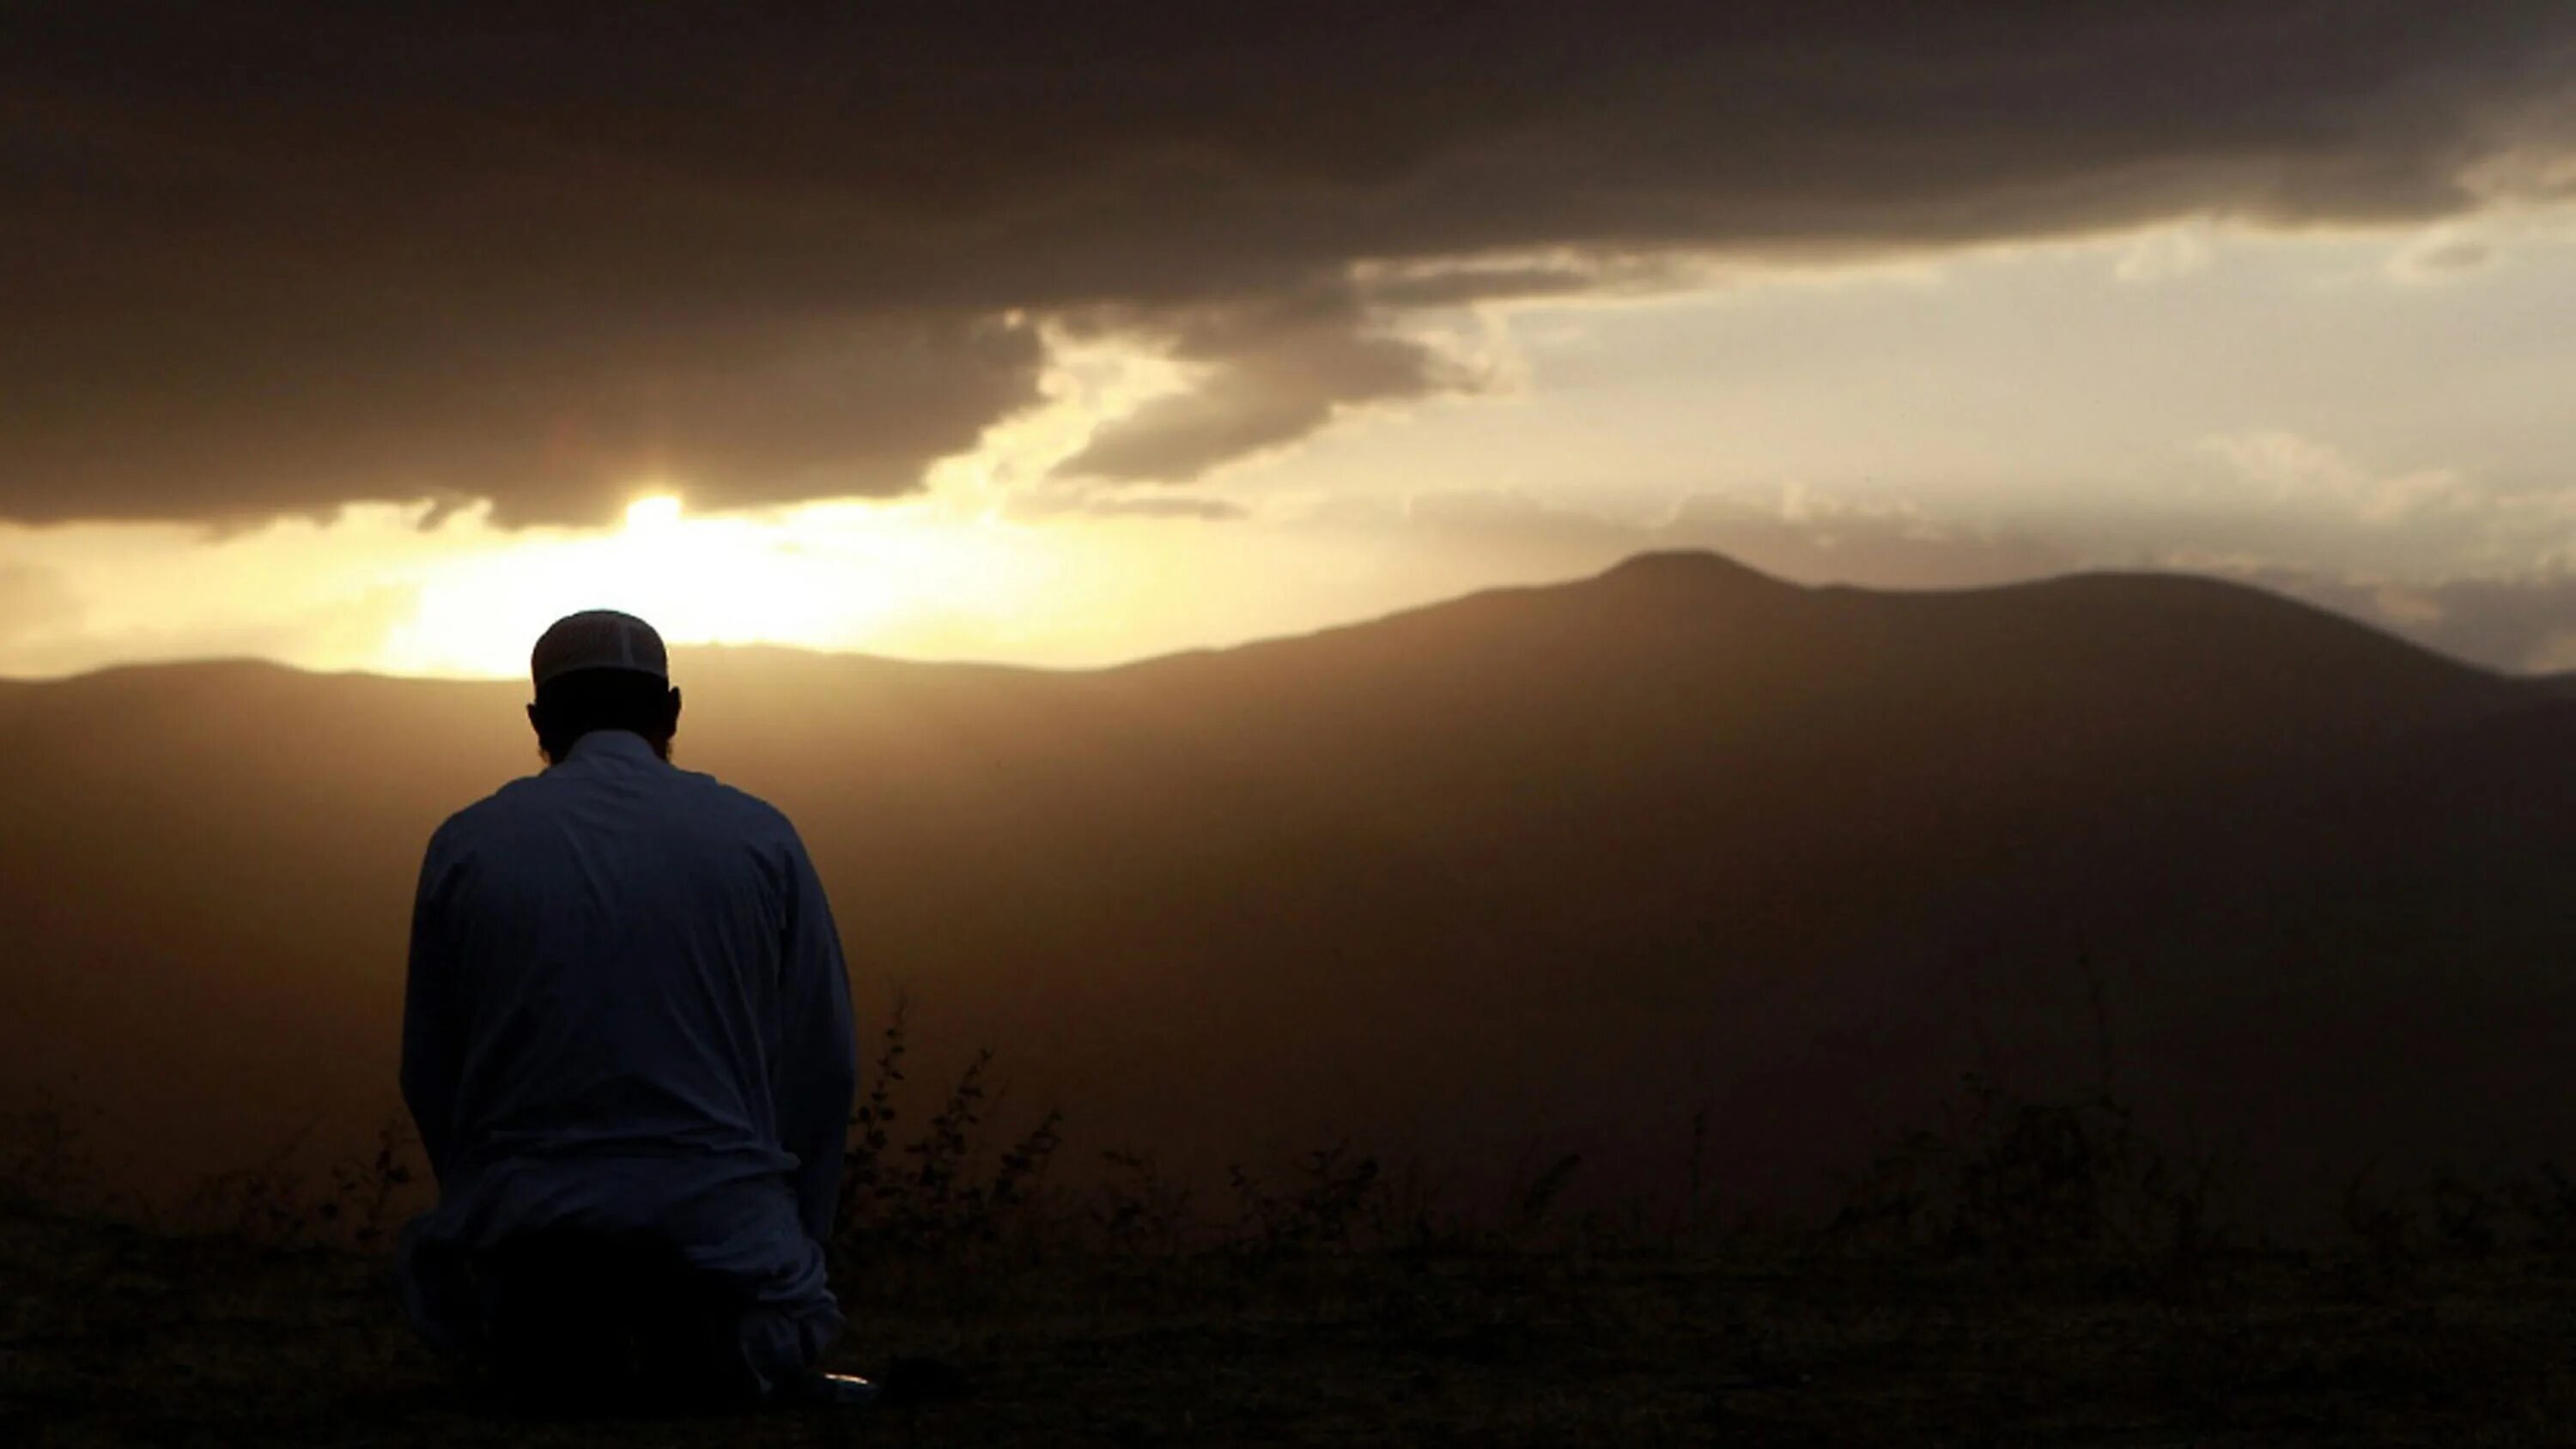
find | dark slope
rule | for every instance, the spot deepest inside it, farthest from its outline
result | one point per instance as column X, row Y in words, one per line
column 1552, row 865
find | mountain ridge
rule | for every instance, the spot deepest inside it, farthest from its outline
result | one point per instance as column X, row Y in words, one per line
column 1711, row 575
column 1559, row 864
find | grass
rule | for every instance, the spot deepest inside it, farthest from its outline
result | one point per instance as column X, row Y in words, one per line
column 2028, row 1273
column 117, row 1334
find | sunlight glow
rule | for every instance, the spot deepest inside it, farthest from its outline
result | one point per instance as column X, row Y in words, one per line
column 654, row 511
column 944, row 572
column 992, row 559
column 830, row 577
column 2222, row 393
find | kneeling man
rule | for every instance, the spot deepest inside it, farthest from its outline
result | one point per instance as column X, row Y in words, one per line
column 627, row 1045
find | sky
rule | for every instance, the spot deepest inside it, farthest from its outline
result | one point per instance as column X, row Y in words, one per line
column 376, row 337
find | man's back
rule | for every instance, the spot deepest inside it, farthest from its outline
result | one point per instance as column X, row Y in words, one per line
column 603, row 953
column 627, row 1022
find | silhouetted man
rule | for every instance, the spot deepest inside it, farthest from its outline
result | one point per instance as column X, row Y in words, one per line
column 627, row 1044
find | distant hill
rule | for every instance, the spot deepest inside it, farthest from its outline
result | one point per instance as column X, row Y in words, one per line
column 1541, row 869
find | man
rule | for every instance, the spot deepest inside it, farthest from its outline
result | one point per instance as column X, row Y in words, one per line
column 627, row 1045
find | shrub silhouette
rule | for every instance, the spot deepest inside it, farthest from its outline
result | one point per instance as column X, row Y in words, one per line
column 2018, row 1182
column 2005, row 1181
column 934, row 1195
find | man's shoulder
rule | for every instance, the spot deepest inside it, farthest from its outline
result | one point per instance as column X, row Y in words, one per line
column 745, row 810
column 531, row 799
column 491, row 812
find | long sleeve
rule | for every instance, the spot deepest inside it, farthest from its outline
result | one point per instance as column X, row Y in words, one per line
column 816, row 1076
column 432, row 1038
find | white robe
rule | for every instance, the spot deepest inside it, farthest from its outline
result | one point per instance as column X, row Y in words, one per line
column 627, row 1010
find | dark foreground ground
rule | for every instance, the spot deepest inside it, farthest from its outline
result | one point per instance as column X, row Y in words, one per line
column 110, row 1334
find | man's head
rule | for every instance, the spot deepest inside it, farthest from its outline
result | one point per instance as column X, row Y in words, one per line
column 601, row 670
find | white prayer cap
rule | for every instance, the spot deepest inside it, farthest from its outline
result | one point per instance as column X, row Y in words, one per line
column 598, row 639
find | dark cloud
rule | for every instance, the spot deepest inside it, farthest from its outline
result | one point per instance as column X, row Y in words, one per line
column 2445, row 258
column 2455, row 256
column 1458, row 282
column 261, row 257
column 551, row 427
column 1090, row 503
column 1263, row 374
column 1177, row 505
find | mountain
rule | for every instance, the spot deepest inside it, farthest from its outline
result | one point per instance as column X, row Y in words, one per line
column 1538, row 870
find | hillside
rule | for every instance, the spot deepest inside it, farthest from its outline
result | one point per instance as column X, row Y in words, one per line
column 1542, row 869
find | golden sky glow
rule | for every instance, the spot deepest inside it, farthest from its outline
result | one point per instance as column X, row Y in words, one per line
column 828, row 577
column 2194, row 397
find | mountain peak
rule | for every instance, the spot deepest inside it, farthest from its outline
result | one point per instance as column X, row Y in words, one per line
column 1692, row 568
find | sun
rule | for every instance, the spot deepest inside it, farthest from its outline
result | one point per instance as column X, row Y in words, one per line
column 653, row 511
column 905, row 577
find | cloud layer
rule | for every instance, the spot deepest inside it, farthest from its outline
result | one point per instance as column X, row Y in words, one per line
column 262, row 258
